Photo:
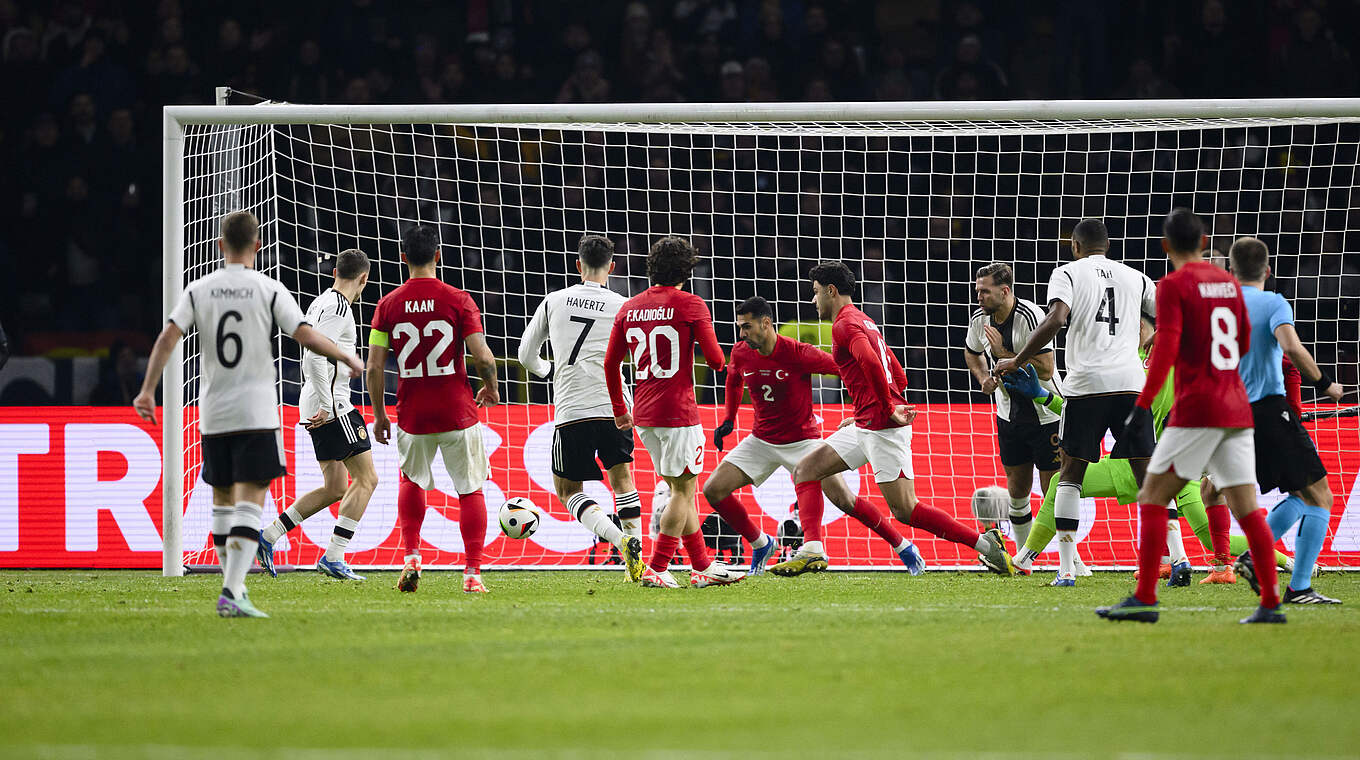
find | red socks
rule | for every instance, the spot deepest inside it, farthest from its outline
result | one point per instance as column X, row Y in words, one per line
column 932, row 520
column 1262, row 544
column 1151, row 547
column 410, row 512
column 663, row 548
column 1219, row 524
column 698, row 553
column 472, row 526
column 734, row 513
column 874, row 520
column 810, row 507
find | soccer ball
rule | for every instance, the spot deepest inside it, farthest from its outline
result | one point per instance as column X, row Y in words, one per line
column 519, row 517
column 991, row 504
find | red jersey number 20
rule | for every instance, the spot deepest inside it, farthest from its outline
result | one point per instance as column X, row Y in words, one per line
column 641, row 341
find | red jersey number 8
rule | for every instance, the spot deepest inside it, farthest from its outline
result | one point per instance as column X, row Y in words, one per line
column 641, row 341
column 1223, row 351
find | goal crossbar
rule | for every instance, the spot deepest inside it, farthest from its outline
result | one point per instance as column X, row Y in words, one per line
column 836, row 119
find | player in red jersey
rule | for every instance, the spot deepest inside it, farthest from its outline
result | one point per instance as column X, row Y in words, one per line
column 779, row 371
column 660, row 327
column 1203, row 330
column 880, row 435
column 427, row 323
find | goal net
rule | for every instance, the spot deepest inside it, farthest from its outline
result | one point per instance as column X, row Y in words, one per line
column 913, row 204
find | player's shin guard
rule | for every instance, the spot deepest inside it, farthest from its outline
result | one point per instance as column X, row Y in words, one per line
column 1151, row 544
column 810, row 507
column 1066, row 517
column 241, row 543
column 1022, row 519
column 472, row 526
column 1262, row 545
column 286, row 521
column 734, row 513
column 698, row 553
column 875, row 520
column 663, row 548
column 589, row 513
column 1220, row 523
column 221, row 526
column 410, row 513
column 935, row 521
column 1283, row 515
column 1312, row 532
column 628, row 506
column 341, row 535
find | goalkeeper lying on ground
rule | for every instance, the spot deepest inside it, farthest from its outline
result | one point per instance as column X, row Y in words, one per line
column 1114, row 478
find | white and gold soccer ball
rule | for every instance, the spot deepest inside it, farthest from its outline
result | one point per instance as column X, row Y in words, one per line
column 991, row 504
column 519, row 517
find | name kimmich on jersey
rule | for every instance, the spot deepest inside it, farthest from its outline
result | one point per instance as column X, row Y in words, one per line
column 236, row 311
column 576, row 323
column 1107, row 300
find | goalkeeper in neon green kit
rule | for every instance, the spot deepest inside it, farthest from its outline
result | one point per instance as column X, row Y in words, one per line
column 1114, row 478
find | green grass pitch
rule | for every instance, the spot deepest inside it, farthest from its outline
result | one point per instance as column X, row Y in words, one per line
column 581, row 665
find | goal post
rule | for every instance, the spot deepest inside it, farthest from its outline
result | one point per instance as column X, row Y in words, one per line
column 915, row 196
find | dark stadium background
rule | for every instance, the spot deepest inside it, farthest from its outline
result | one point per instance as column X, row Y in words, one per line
column 80, row 260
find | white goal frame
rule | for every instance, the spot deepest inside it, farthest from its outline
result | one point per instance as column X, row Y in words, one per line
column 741, row 115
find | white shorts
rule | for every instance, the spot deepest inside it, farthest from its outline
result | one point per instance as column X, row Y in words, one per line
column 888, row 452
column 1226, row 455
column 464, row 457
column 674, row 450
column 759, row 459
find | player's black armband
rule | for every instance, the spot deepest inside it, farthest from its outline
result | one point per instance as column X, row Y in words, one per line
column 1322, row 383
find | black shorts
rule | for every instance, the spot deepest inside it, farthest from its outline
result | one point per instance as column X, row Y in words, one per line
column 576, row 445
column 341, row 438
column 252, row 457
column 1085, row 419
column 1028, row 443
column 1285, row 456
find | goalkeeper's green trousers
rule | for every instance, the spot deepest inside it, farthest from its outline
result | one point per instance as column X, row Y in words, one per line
column 1113, row 478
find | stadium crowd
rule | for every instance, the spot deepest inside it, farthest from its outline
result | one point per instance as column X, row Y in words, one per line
column 85, row 81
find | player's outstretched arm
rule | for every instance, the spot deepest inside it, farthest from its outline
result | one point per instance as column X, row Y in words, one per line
column 376, row 384
column 979, row 371
column 145, row 403
column 531, row 343
column 733, row 389
column 613, row 377
column 1307, row 366
column 1042, row 335
column 485, row 363
column 313, row 339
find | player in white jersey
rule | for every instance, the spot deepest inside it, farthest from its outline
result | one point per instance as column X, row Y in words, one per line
column 576, row 322
column 339, row 435
column 236, row 310
column 1102, row 303
column 1027, row 433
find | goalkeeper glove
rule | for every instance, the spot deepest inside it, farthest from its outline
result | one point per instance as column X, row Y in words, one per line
column 721, row 432
column 1026, row 383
